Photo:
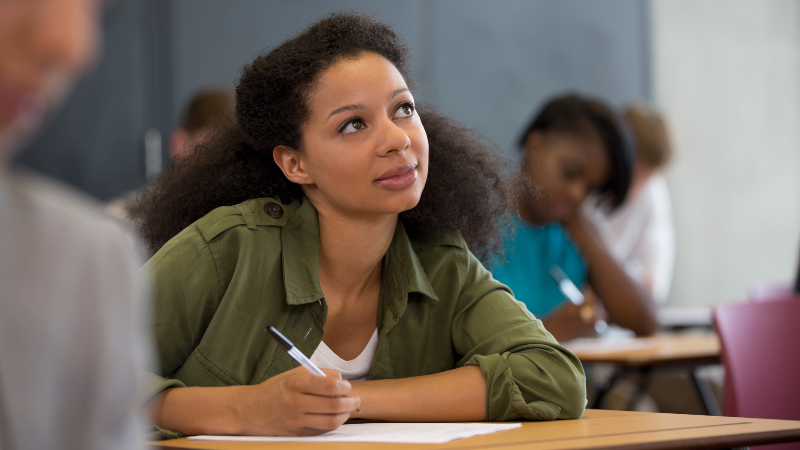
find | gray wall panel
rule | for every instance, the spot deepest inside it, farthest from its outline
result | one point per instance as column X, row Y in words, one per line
column 488, row 64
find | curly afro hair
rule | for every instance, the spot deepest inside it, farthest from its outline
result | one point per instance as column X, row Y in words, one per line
column 466, row 191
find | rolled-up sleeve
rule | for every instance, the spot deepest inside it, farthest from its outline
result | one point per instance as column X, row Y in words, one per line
column 528, row 374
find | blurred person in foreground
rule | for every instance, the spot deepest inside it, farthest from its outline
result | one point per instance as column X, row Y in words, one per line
column 641, row 232
column 71, row 345
column 204, row 111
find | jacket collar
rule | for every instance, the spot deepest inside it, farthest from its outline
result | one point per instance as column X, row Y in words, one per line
column 403, row 271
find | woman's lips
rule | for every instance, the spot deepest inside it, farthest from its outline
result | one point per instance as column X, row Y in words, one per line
column 561, row 212
column 398, row 177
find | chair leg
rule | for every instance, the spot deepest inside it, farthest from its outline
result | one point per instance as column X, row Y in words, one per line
column 706, row 392
column 644, row 382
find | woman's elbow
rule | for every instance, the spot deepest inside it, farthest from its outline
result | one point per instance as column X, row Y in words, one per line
column 573, row 401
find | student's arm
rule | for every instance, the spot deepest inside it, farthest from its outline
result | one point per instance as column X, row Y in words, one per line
column 510, row 367
column 294, row 403
column 628, row 303
column 188, row 285
column 457, row 395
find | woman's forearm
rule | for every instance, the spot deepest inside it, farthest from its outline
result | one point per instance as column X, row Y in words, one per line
column 628, row 303
column 198, row 410
column 457, row 395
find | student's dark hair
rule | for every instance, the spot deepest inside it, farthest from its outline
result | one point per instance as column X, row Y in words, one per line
column 587, row 117
column 206, row 107
column 465, row 190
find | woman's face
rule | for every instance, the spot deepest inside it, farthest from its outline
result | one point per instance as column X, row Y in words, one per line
column 364, row 149
column 44, row 46
column 568, row 168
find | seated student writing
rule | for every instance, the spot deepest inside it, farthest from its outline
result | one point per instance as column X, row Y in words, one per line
column 572, row 148
column 336, row 213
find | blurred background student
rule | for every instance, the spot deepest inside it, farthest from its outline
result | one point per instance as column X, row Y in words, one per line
column 205, row 109
column 573, row 147
column 641, row 232
column 71, row 349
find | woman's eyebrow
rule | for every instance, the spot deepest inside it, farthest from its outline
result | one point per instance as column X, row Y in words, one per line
column 345, row 108
column 353, row 106
column 397, row 92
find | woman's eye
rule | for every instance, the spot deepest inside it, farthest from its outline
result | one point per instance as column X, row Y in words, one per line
column 404, row 110
column 352, row 125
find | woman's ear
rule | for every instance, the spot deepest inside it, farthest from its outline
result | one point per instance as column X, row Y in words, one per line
column 290, row 163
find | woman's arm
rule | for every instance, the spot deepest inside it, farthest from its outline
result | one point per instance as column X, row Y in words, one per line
column 292, row 403
column 528, row 374
column 629, row 304
column 457, row 395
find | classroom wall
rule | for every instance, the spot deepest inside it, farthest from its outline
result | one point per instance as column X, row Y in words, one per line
column 727, row 74
column 488, row 64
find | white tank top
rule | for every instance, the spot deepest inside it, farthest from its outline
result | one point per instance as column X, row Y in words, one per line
column 353, row 370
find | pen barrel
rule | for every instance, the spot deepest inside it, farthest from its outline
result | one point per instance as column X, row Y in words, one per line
column 305, row 362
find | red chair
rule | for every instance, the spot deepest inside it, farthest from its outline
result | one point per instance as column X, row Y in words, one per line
column 761, row 354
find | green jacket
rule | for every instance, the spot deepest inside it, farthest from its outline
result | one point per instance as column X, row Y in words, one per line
column 223, row 279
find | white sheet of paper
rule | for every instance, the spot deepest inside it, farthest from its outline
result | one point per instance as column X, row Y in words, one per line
column 390, row 433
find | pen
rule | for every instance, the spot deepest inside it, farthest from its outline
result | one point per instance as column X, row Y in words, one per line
column 566, row 286
column 292, row 351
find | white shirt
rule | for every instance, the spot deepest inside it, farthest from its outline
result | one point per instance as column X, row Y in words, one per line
column 354, row 370
column 72, row 346
column 641, row 235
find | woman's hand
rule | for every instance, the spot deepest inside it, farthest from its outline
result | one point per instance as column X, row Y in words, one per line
column 571, row 322
column 294, row 403
column 297, row 403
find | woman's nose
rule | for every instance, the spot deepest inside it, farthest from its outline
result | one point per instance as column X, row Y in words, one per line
column 393, row 138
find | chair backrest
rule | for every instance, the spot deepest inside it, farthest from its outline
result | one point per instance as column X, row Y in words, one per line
column 761, row 357
column 759, row 292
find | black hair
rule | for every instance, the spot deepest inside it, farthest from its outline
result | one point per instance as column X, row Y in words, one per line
column 465, row 191
column 587, row 117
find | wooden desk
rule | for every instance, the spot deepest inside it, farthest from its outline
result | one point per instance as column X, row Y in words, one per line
column 597, row 429
column 668, row 348
column 690, row 350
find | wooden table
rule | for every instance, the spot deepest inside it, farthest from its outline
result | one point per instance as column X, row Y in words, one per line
column 597, row 429
column 667, row 348
column 690, row 350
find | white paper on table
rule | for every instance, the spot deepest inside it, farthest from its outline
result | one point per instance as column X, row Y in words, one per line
column 390, row 433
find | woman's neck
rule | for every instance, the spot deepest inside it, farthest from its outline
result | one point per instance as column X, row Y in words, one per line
column 351, row 251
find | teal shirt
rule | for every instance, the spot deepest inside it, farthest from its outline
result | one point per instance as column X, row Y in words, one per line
column 529, row 256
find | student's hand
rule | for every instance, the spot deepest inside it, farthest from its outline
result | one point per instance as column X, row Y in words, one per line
column 297, row 403
column 571, row 322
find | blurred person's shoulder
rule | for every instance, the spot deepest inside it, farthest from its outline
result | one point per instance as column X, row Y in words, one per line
column 52, row 215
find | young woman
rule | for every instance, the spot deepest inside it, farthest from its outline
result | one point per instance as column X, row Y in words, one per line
column 335, row 212
column 573, row 147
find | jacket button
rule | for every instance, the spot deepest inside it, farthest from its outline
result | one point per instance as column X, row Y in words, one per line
column 273, row 210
